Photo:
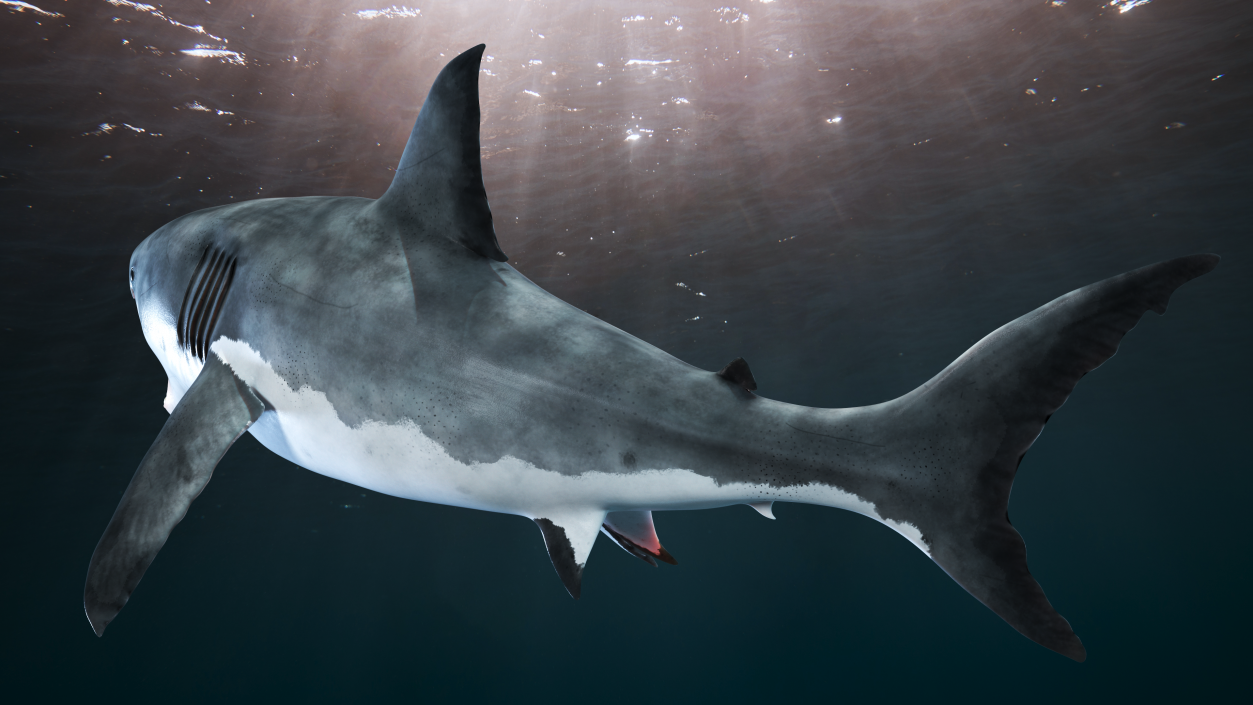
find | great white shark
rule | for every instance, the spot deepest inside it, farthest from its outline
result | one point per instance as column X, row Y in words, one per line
column 387, row 343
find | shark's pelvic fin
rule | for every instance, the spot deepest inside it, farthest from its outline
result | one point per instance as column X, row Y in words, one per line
column 569, row 537
column 438, row 188
column 216, row 411
column 737, row 372
column 635, row 533
column 765, row 509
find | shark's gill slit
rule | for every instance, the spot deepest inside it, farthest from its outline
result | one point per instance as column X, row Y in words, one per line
column 201, row 299
column 227, row 277
column 202, row 304
column 196, row 306
column 183, row 310
column 206, row 308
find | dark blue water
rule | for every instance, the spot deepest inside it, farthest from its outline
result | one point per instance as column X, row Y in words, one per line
column 988, row 156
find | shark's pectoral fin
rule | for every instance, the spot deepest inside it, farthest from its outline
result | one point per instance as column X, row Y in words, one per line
column 634, row 532
column 569, row 537
column 216, row 410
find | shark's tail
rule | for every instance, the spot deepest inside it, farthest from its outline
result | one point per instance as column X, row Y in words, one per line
column 968, row 429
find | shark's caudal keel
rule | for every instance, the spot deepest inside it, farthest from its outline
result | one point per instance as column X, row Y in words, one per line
column 388, row 344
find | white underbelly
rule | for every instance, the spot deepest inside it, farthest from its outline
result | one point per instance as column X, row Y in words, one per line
column 399, row 460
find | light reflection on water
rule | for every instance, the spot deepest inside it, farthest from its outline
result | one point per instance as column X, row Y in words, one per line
column 19, row 6
column 158, row 14
column 230, row 57
column 389, row 13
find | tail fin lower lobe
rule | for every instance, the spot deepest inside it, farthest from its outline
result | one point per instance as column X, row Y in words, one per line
column 999, row 394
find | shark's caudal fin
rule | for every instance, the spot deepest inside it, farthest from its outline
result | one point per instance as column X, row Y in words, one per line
column 438, row 188
column 216, row 411
column 971, row 425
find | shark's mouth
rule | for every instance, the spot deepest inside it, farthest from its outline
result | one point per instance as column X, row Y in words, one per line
column 202, row 303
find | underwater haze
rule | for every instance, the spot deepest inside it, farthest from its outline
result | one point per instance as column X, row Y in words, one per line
column 848, row 194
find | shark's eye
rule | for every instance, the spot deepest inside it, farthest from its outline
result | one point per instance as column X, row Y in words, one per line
column 132, row 282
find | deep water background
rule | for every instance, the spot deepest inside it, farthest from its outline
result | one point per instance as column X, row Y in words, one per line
column 988, row 157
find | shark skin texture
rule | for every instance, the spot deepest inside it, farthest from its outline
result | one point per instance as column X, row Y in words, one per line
column 388, row 344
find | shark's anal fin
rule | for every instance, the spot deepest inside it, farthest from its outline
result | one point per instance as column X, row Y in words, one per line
column 569, row 537
column 635, row 533
column 438, row 188
column 737, row 372
column 216, row 410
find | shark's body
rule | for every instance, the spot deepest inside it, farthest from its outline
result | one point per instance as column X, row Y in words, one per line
column 468, row 385
column 387, row 344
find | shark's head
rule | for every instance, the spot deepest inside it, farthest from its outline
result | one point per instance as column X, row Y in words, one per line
column 161, row 264
column 142, row 276
column 158, row 275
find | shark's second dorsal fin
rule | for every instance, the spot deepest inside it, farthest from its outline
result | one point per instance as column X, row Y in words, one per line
column 737, row 372
column 438, row 188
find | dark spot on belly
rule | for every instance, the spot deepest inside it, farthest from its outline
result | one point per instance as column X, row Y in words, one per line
column 628, row 460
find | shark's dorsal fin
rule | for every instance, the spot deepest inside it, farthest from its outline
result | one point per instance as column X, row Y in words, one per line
column 438, row 188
